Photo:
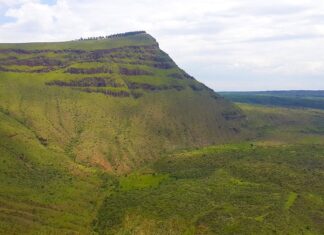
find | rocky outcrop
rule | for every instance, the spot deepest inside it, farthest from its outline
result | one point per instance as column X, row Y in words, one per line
column 86, row 82
column 134, row 72
column 106, row 92
column 150, row 87
column 88, row 70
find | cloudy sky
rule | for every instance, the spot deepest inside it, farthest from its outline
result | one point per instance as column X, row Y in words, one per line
column 227, row 44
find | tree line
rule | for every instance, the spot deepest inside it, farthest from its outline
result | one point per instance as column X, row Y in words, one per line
column 112, row 36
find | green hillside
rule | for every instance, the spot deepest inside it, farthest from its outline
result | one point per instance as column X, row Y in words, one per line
column 74, row 114
column 110, row 136
column 272, row 184
column 113, row 103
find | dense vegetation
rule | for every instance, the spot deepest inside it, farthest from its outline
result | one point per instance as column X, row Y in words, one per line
column 111, row 137
column 302, row 99
column 231, row 189
column 113, row 103
column 270, row 185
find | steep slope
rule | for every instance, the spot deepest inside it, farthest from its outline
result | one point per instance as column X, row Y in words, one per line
column 114, row 103
column 42, row 191
column 271, row 185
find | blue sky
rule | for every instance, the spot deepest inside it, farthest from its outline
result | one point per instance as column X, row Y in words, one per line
column 49, row 2
column 227, row 44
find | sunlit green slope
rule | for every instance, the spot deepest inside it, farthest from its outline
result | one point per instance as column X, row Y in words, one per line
column 271, row 185
column 109, row 136
column 74, row 114
column 113, row 103
column 42, row 191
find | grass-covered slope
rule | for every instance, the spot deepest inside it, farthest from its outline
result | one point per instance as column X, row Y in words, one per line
column 42, row 191
column 114, row 103
column 270, row 185
column 105, row 136
column 73, row 114
column 231, row 189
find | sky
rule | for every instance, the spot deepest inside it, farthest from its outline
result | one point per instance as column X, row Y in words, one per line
column 229, row 45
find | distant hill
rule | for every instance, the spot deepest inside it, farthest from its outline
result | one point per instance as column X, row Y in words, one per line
column 296, row 99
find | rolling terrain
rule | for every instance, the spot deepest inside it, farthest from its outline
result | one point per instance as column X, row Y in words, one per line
column 110, row 136
column 272, row 184
column 295, row 99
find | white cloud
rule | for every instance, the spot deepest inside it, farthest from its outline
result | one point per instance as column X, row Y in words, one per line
column 232, row 39
column 15, row 2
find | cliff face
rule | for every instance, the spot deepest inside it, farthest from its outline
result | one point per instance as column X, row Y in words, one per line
column 114, row 103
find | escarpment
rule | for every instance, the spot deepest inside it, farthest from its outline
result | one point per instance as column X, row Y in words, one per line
column 111, row 102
